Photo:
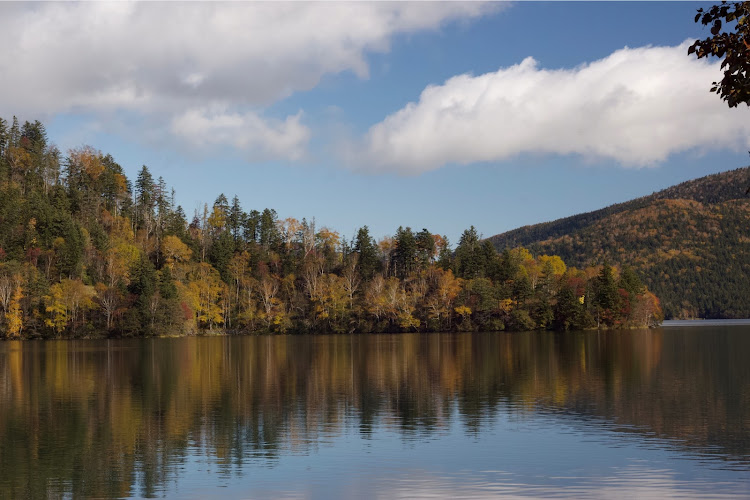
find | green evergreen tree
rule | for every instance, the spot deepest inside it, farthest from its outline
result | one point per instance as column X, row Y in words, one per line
column 508, row 267
column 222, row 204
column 605, row 295
column 145, row 199
column 364, row 246
column 140, row 318
column 425, row 248
column 14, row 134
column 542, row 312
column 522, row 289
column 445, row 257
column 220, row 254
column 169, row 313
column 630, row 281
column 236, row 222
column 177, row 223
column 567, row 310
column 404, row 257
column 470, row 260
column 251, row 227
column 268, row 230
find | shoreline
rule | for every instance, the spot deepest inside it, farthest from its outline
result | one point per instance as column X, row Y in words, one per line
column 675, row 323
column 242, row 333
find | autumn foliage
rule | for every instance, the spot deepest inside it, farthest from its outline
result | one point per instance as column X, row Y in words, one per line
column 87, row 252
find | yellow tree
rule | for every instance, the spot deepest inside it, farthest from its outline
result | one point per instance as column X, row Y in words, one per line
column 56, row 309
column 556, row 263
column 327, row 240
column 66, row 301
column 375, row 297
column 14, row 315
column 443, row 291
column 20, row 162
column 463, row 311
column 204, row 289
column 407, row 304
column 533, row 271
column 521, row 254
column 118, row 260
column 121, row 229
column 175, row 251
column 331, row 304
column 87, row 160
column 268, row 288
column 217, row 221
column 80, row 298
column 273, row 310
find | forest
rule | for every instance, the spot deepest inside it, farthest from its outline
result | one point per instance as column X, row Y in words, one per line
column 87, row 252
column 688, row 243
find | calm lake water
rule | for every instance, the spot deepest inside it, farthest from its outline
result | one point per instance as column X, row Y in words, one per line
column 633, row 414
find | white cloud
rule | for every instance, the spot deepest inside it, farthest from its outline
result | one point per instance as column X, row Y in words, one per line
column 636, row 106
column 158, row 59
column 245, row 131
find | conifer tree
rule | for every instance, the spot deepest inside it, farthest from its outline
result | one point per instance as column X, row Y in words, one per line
column 364, row 246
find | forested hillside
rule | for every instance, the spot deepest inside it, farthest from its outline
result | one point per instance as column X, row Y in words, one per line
column 690, row 243
column 84, row 251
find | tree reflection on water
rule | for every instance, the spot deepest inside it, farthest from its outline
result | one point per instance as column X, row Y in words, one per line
column 120, row 417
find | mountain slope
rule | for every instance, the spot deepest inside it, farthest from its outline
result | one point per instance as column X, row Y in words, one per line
column 689, row 242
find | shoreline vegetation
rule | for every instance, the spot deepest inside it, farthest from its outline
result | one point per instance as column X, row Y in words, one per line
column 86, row 252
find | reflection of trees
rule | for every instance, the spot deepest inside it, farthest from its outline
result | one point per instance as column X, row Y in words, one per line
column 118, row 418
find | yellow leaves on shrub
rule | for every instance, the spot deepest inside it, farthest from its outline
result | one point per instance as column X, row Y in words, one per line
column 463, row 311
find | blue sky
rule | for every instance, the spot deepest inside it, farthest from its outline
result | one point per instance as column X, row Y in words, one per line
column 384, row 114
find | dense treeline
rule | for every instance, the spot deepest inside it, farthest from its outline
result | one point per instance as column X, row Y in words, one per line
column 85, row 251
column 689, row 243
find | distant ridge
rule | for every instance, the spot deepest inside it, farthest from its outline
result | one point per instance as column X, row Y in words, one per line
column 690, row 243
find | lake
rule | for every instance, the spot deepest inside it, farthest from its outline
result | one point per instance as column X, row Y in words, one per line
column 617, row 414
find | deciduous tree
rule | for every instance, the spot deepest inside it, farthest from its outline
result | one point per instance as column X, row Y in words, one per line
column 730, row 40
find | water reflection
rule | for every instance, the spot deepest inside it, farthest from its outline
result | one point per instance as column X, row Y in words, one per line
column 124, row 418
